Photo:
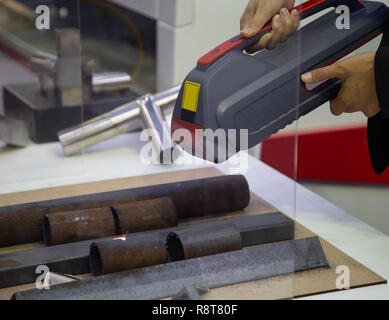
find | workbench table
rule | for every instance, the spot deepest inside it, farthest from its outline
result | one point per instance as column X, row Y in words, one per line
column 42, row 166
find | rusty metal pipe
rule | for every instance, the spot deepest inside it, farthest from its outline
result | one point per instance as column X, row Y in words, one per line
column 137, row 216
column 204, row 241
column 125, row 253
column 145, row 215
column 72, row 226
column 121, row 254
column 22, row 223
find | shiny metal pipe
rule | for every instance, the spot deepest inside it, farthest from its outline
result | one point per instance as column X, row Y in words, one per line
column 166, row 99
column 120, row 120
column 110, row 82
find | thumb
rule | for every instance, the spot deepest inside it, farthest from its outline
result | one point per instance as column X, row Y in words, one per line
column 329, row 72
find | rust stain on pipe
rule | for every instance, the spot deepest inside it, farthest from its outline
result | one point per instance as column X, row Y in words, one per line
column 199, row 242
column 145, row 215
column 120, row 254
column 25, row 226
column 211, row 195
column 71, row 226
column 23, row 223
column 137, row 216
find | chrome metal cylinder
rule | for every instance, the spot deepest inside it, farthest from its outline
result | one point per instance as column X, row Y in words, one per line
column 120, row 120
column 158, row 130
column 107, row 82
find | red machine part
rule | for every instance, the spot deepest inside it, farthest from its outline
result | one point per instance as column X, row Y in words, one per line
column 238, row 40
column 329, row 155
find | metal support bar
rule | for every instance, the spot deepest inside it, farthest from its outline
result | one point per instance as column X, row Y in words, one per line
column 166, row 280
column 68, row 74
column 13, row 132
column 73, row 258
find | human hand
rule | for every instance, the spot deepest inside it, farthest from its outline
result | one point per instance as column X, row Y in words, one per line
column 259, row 12
column 358, row 91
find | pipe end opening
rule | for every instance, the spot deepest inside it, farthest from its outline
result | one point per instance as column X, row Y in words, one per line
column 46, row 231
column 95, row 261
column 174, row 247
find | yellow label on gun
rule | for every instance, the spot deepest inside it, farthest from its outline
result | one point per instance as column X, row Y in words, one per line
column 191, row 96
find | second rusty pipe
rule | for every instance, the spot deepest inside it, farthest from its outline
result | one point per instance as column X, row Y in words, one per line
column 137, row 216
column 64, row 227
column 122, row 253
column 205, row 241
column 145, row 215
column 119, row 254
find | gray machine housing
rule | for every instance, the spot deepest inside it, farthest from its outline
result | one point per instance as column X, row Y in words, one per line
column 263, row 93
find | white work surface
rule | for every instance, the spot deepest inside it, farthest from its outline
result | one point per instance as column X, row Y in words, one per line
column 42, row 166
